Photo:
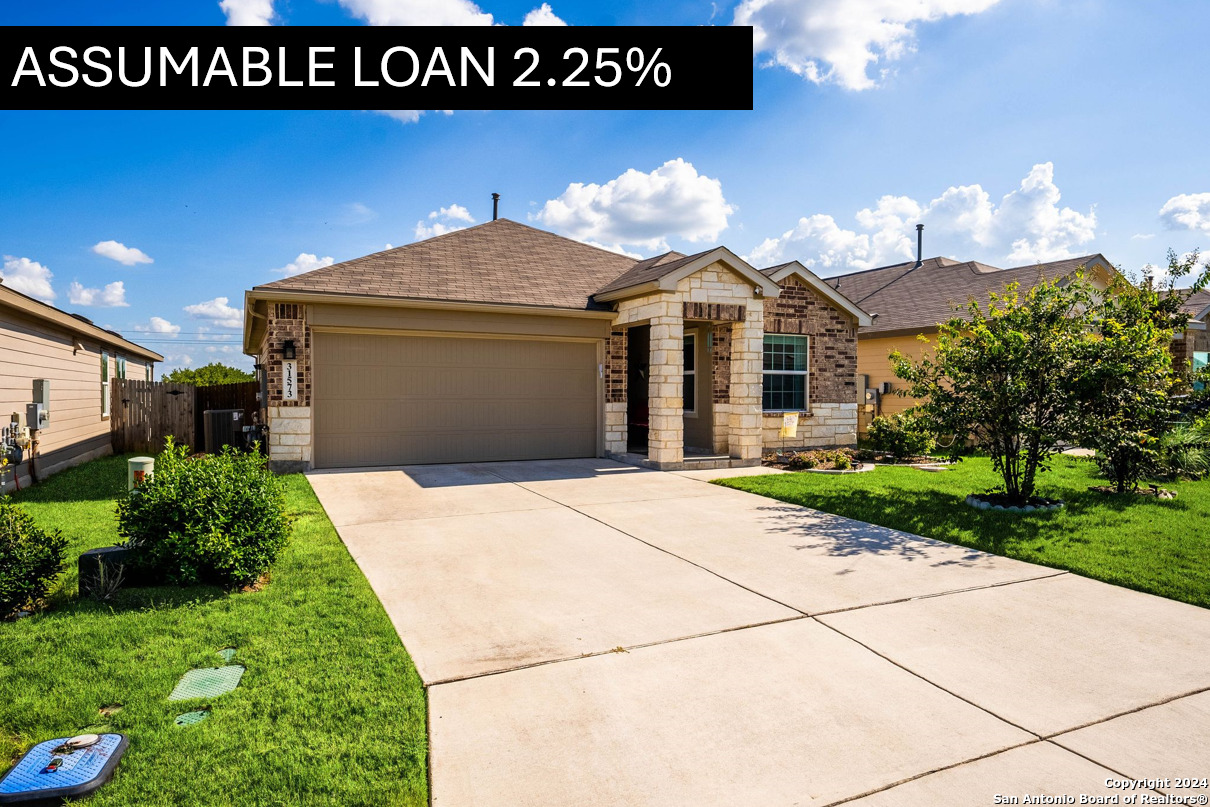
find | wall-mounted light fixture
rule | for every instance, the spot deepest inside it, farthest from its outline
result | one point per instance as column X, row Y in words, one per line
column 287, row 349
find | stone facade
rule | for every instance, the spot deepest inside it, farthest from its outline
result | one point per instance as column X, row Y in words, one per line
column 289, row 421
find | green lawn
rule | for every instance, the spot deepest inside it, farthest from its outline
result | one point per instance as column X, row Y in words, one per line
column 330, row 710
column 1161, row 547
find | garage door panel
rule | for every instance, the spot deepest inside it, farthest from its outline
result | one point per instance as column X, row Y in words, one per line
column 390, row 400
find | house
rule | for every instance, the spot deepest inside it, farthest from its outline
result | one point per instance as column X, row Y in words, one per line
column 66, row 362
column 1191, row 347
column 909, row 300
column 505, row 342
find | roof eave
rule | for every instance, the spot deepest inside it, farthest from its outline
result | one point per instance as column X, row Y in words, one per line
column 48, row 313
column 817, row 283
column 668, row 282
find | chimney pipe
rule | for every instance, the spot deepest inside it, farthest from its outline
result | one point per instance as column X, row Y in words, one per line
column 495, row 206
column 919, row 246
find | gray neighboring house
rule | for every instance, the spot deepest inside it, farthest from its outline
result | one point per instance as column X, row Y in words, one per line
column 505, row 342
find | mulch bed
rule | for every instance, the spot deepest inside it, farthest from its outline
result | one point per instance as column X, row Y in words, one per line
column 1153, row 490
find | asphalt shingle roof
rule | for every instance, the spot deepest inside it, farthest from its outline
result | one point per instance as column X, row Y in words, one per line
column 910, row 299
column 500, row 261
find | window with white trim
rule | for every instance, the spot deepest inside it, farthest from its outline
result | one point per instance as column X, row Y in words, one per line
column 150, row 367
column 104, row 384
column 690, row 373
column 120, row 361
column 786, row 364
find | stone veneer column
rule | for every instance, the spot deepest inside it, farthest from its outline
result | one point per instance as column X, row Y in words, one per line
column 665, row 385
column 289, row 421
column 615, row 392
column 747, row 381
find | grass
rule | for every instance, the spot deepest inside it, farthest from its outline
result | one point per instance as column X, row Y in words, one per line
column 330, row 711
column 1158, row 546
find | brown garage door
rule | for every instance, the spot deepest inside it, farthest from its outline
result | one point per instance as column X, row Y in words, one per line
column 398, row 400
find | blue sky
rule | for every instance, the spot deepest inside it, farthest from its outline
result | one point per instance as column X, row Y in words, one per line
column 1017, row 131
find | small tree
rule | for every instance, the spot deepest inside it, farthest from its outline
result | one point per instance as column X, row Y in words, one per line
column 1002, row 377
column 210, row 375
column 1125, row 374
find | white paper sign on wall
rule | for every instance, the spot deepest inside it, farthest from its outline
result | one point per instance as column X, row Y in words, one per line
column 289, row 380
column 789, row 424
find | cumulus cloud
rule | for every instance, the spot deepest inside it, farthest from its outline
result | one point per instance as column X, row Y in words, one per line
column 305, row 262
column 1026, row 226
column 116, row 251
column 217, row 312
column 417, row 12
column 113, row 295
column 839, row 40
column 408, row 115
column 641, row 210
column 443, row 220
column 1188, row 211
column 248, row 12
column 542, row 15
column 358, row 213
column 28, row 277
column 159, row 325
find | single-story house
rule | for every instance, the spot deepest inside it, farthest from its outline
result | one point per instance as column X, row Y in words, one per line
column 505, row 342
column 908, row 300
column 1191, row 347
column 66, row 363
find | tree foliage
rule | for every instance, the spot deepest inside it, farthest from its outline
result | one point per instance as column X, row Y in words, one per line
column 1126, row 379
column 1000, row 376
column 210, row 375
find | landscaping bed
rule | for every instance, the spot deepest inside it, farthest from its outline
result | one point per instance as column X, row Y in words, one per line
column 1154, row 545
column 330, row 710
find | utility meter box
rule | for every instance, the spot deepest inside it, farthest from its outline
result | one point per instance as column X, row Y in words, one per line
column 36, row 416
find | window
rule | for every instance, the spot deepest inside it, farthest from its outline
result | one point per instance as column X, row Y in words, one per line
column 120, row 361
column 785, row 373
column 690, row 376
column 150, row 371
column 104, row 384
column 1200, row 360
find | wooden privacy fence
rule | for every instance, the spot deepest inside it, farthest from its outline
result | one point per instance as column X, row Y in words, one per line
column 144, row 413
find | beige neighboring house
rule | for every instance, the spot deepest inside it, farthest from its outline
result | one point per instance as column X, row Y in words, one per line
column 908, row 300
column 1191, row 347
column 505, row 342
column 70, row 361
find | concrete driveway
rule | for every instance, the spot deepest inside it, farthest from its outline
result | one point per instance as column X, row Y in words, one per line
column 597, row 634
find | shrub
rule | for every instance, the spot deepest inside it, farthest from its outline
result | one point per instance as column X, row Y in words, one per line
column 903, row 434
column 30, row 558
column 1185, row 450
column 217, row 518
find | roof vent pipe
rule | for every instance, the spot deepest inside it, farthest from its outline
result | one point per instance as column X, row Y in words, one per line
column 919, row 246
column 495, row 206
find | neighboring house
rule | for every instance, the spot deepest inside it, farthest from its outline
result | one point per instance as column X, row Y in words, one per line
column 909, row 300
column 504, row 342
column 1191, row 347
column 38, row 342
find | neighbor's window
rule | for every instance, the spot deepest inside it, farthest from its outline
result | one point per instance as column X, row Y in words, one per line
column 1200, row 360
column 104, row 384
column 150, row 371
column 120, row 361
column 785, row 373
column 690, row 378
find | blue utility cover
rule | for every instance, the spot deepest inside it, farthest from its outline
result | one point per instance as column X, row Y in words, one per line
column 44, row 774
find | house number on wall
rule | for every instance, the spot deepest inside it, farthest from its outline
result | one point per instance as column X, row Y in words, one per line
column 289, row 380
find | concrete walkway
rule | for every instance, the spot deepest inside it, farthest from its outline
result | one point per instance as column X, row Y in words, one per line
column 597, row 634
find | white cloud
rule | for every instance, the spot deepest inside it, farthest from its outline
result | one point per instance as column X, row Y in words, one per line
column 159, row 325
column 217, row 312
column 838, row 40
column 1188, row 211
column 444, row 220
column 305, row 262
column 616, row 248
column 1142, row 236
column 116, row 251
column 28, row 277
column 417, row 12
column 1028, row 225
column 358, row 213
column 248, row 12
column 542, row 15
column 641, row 210
column 408, row 115
column 113, row 295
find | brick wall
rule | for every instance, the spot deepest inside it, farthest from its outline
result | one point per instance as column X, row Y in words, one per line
column 615, row 367
column 289, row 421
column 832, row 372
column 720, row 362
